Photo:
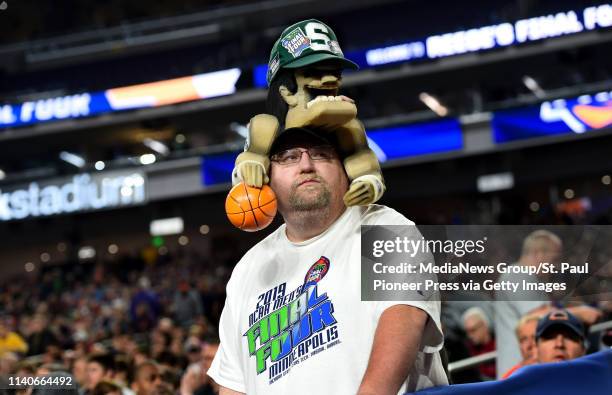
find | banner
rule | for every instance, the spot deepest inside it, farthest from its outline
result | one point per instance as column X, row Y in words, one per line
column 563, row 116
column 154, row 94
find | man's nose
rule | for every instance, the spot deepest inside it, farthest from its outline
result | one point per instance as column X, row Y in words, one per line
column 560, row 341
column 306, row 164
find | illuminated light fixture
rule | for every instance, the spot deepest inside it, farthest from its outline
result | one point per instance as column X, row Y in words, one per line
column 147, row 159
column 29, row 267
column 534, row 206
column 204, row 229
column 495, row 182
column 73, row 159
column 113, row 249
column 100, row 165
column 569, row 193
column 2, row 174
column 534, row 87
column 183, row 240
column 157, row 146
column 127, row 191
column 45, row 257
column 433, row 104
column 166, row 226
column 180, row 138
column 86, row 252
column 239, row 129
column 606, row 179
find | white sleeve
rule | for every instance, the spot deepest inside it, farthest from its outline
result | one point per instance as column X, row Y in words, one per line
column 226, row 368
column 433, row 338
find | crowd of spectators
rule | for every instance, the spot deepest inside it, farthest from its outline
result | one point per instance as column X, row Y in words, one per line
column 151, row 328
column 149, row 331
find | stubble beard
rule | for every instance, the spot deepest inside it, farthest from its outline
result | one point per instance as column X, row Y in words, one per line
column 304, row 202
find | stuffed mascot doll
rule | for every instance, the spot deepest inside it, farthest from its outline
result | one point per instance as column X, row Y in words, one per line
column 304, row 78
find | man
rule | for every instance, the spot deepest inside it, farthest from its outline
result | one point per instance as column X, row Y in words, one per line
column 538, row 246
column 560, row 336
column 293, row 321
column 79, row 372
column 147, row 379
column 525, row 334
column 195, row 381
column 480, row 340
column 99, row 367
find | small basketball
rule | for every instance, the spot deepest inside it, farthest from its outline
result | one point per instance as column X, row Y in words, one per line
column 249, row 208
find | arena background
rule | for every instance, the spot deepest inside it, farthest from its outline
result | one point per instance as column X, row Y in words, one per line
column 506, row 121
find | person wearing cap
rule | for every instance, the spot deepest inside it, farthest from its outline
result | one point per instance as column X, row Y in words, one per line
column 293, row 320
column 560, row 336
column 304, row 77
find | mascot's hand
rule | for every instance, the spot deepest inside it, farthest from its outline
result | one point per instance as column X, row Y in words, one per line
column 251, row 168
column 364, row 190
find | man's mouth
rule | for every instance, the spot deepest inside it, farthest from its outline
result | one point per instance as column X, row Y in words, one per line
column 307, row 182
column 560, row 358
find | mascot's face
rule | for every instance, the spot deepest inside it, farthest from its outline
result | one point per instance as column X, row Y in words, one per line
column 317, row 95
column 319, row 80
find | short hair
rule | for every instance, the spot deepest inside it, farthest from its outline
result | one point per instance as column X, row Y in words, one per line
column 105, row 360
column 540, row 240
column 478, row 313
column 104, row 387
column 141, row 366
column 524, row 320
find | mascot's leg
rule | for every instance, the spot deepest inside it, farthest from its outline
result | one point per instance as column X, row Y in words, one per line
column 253, row 164
column 361, row 165
column 367, row 183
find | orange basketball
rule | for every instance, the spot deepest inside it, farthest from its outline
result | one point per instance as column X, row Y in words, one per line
column 250, row 209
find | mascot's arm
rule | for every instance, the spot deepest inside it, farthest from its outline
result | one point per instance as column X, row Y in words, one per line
column 253, row 164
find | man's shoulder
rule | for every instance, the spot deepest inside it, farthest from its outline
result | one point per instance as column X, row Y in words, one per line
column 266, row 245
column 377, row 214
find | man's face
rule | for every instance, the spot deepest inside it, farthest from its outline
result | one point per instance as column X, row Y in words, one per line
column 550, row 254
column 526, row 338
column 308, row 185
column 79, row 371
column 476, row 330
column 148, row 379
column 95, row 374
column 559, row 343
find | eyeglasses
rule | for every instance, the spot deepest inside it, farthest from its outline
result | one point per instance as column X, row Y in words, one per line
column 293, row 155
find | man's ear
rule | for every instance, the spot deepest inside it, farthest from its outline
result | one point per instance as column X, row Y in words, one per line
column 287, row 96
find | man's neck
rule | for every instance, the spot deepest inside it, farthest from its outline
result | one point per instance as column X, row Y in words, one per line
column 304, row 225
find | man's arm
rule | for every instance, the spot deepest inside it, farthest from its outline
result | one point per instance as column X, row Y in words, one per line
column 396, row 343
column 227, row 391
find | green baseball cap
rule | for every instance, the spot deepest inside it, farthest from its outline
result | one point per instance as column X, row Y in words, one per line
column 304, row 43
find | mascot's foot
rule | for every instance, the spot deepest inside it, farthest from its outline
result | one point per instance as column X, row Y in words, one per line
column 364, row 190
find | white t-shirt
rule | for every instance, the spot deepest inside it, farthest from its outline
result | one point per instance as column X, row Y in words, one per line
column 276, row 339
